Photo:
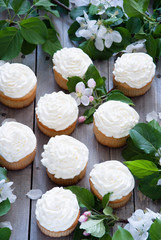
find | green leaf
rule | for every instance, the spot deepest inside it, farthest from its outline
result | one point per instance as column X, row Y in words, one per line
column 122, row 234
column 154, row 231
column 76, row 12
column 95, row 227
column 4, row 3
column 142, row 168
column 78, row 233
column 3, row 24
column 146, row 138
column 92, row 72
column 72, row 81
column 4, row 207
column 3, row 173
column 106, row 237
column 119, row 96
column 114, row 12
column 107, row 211
column 89, row 48
column 34, row 30
column 5, row 233
column 20, row 6
column 157, row 32
column 43, row 3
column 52, row 43
column 136, row 8
column 148, row 186
column 89, row 115
column 27, row 47
column 105, row 200
column 151, row 46
column 92, row 9
column 134, row 24
column 84, row 196
column 155, row 125
column 158, row 50
column 126, row 39
column 10, row 43
column 71, row 31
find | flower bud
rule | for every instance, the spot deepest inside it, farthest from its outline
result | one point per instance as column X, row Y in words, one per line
column 86, row 234
column 91, row 98
column 87, row 213
column 83, row 219
column 91, row 83
column 81, row 119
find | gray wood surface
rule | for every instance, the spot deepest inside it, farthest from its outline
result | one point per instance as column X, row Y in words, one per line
column 22, row 213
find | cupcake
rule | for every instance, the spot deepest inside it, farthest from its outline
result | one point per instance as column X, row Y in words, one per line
column 56, row 114
column 112, row 123
column 112, row 177
column 65, row 159
column 17, row 145
column 57, row 212
column 69, row 62
column 133, row 73
column 17, row 85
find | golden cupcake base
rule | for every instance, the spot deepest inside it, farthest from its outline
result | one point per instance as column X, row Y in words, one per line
column 114, row 204
column 21, row 164
column 60, row 233
column 129, row 91
column 18, row 102
column 52, row 132
column 108, row 141
column 62, row 82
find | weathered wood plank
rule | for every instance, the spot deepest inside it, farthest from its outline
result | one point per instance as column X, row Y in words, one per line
column 20, row 210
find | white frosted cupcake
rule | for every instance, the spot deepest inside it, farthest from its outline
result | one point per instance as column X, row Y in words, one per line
column 57, row 114
column 112, row 123
column 65, row 159
column 133, row 73
column 17, row 145
column 17, row 85
column 69, row 62
column 112, row 177
column 57, row 212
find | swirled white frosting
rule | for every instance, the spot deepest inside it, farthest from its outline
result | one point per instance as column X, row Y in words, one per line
column 112, row 176
column 57, row 210
column 16, row 141
column 134, row 69
column 64, row 156
column 71, row 62
column 57, row 110
column 115, row 119
column 16, row 80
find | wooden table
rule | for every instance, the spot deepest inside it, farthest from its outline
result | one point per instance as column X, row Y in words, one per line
column 22, row 213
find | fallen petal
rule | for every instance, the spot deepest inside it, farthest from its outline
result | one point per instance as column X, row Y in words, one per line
column 6, row 224
column 34, row 194
column 152, row 115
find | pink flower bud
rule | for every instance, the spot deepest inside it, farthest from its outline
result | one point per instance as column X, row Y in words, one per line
column 86, row 234
column 91, row 98
column 83, row 219
column 87, row 213
column 81, row 119
column 91, row 83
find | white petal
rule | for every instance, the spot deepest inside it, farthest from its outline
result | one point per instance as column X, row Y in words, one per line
column 84, row 33
column 74, row 95
column 85, row 100
column 6, row 224
column 78, row 100
column 152, row 115
column 79, row 3
column 108, row 40
column 80, row 20
column 116, row 36
column 159, row 115
column 34, row 194
column 87, row 92
column 99, row 44
column 101, row 32
column 80, row 87
column 95, row 2
column 85, row 16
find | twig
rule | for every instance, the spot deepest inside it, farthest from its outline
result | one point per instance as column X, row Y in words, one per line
column 61, row 5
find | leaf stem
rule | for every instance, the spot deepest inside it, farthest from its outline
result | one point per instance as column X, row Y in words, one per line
column 62, row 5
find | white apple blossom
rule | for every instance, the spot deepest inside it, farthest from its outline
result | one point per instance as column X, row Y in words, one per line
column 6, row 191
column 88, row 28
column 106, row 36
column 140, row 222
column 79, row 3
column 82, row 94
